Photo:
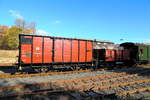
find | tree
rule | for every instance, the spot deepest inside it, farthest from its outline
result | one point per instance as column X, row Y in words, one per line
column 32, row 27
column 29, row 27
column 11, row 40
column 3, row 30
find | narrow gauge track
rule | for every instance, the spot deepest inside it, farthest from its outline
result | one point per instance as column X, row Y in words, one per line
column 121, row 84
column 59, row 82
column 133, row 91
column 41, row 74
column 100, row 82
column 9, row 75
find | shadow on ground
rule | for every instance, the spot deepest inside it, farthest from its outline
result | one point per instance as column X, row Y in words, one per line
column 139, row 70
column 62, row 95
column 74, row 95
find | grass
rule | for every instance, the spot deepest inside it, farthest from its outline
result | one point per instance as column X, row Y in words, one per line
column 8, row 56
column 8, row 53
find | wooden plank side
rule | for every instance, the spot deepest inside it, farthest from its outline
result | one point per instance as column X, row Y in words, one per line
column 48, row 43
column 58, row 50
column 37, row 49
column 67, row 51
column 75, row 50
column 82, row 51
column 89, row 51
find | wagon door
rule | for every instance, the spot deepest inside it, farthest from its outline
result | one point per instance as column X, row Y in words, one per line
column 126, row 54
column 143, row 53
column 25, row 49
column 119, row 55
column 149, row 52
column 89, row 51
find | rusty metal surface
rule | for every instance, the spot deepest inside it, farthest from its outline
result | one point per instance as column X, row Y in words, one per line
column 99, row 82
column 80, row 84
column 40, row 74
column 134, row 91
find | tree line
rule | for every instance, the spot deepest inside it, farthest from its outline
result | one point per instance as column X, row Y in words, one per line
column 10, row 40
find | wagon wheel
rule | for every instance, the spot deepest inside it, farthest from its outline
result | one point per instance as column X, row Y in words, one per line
column 75, row 67
column 37, row 70
column 44, row 69
column 41, row 70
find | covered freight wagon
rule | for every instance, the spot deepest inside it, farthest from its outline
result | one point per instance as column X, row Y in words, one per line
column 44, row 52
column 111, row 55
column 139, row 53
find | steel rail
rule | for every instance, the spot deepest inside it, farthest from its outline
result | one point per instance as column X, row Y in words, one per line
column 56, row 85
column 41, row 74
column 121, row 84
column 133, row 91
column 87, row 86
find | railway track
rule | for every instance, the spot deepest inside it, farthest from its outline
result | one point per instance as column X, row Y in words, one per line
column 40, row 74
column 85, row 84
column 133, row 91
column 63, row 81
column 100, row 82
column 9, row 75
column 106, row 81
column 121, row 84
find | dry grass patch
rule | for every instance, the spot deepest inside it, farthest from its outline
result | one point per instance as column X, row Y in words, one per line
column 8, row 56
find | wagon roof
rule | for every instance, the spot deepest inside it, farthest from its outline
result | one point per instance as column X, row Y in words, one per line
column 134, row 44
column 101, row 41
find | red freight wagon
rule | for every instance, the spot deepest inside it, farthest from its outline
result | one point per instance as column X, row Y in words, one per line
column 104, row 57
column 122, row 55
column 110, row 55
column 106, row 54
column 119, row 55
column 38, row 51
column 126, row 55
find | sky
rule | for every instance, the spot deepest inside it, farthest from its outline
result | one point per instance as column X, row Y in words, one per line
column 114, row 20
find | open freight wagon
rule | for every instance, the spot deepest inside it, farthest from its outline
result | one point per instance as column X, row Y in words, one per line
column 45, row 52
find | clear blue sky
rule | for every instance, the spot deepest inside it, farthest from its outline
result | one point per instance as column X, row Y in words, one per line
column 92, row 19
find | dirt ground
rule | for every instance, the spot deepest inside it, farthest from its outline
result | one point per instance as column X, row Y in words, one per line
column 8, row 56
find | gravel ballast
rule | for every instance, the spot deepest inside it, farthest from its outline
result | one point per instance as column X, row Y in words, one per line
column 49, row 78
